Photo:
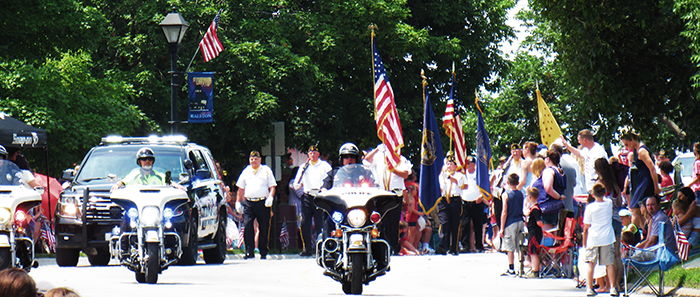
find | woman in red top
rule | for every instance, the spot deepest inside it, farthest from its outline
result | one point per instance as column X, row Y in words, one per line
column 412, row 214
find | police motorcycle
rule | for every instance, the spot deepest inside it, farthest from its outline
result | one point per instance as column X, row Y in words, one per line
column 352, row 252
column 16, row 202
column 146, row 243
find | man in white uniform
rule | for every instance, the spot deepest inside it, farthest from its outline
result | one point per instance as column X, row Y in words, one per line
column 256, row 192
column 389, row 180
column 309, row 177
column 473, row 210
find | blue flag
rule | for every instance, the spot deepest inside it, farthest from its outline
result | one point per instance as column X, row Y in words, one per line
column 431, row 160
column 483, row 155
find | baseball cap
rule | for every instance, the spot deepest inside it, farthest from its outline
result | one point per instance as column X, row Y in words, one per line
column 625, row 213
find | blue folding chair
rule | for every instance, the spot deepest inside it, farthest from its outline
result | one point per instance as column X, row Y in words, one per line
column 645, row 268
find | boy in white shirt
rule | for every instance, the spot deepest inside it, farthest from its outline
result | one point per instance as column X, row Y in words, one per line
column 599, row 237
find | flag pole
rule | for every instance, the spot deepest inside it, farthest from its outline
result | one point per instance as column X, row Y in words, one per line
column 372, row 27
column 425, row 83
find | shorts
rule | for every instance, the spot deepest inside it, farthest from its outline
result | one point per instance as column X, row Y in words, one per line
column 601, row 255
column 551, row 219
column 533, row 246
column 617, row 228
column 512, row 236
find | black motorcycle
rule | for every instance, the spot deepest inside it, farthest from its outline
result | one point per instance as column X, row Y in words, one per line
column 351, row 250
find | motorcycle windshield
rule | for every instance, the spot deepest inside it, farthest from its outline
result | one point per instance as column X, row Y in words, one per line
column 354, row 176
column 10, row 174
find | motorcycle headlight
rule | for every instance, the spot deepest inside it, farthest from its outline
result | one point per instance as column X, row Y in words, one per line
column 337, row 217
column 5, row 215
column 132, row 213
column 357, row 217
column 167, row 213
column 150, row 215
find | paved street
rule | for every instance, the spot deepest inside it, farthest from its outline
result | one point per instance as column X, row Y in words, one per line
column 465, row 275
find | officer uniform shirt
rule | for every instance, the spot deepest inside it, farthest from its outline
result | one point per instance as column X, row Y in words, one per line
column 471, row 193
column 313, row 176
column 385, row 178
column 454, row 188
column 136, row 177
column 256, row 183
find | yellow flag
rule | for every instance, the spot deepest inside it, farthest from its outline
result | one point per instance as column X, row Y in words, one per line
column 549, row 129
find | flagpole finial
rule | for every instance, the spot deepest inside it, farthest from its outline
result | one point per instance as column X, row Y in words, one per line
column 537, row 84
column 372, row 27
column 453, row 67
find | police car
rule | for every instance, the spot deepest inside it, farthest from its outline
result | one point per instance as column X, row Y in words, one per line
column 86, row 217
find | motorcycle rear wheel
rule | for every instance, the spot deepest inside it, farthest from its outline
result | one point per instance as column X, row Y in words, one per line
column 5, row 258
column 153, row 264
column 189, row 253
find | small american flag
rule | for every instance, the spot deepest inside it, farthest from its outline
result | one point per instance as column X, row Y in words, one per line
column 682, row 243
column 385, row 114
column 284, row 235
column 210, row 45
column 240, row 237
column 48, row 236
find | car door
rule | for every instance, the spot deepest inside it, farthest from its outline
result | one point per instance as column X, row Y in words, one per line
column 205, row 187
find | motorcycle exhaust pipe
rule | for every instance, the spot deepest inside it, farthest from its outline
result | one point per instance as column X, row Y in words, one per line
column 331, row 245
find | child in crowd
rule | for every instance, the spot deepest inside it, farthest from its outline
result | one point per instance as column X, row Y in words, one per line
column 406, row 247
column 690, row 229
column 627, row 225
column 666, row 168
column 599, row 237
column 511, row 220
column 534, row 231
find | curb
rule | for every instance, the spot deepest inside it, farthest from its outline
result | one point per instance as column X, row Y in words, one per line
column 678, row 292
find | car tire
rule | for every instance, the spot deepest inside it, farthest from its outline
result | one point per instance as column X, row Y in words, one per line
column 189, row 253
column 101, row 258
column 5, row 258
column 67, row 257
column 217, row 255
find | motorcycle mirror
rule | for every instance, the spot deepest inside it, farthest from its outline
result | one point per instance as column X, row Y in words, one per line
column 398, row 192
column 68, row 174
column 314, row 192
column 168, row 177
column 40, row 189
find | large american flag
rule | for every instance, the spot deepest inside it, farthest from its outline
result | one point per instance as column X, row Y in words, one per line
column 210, row 45
column 452, row 123
column 385, row 114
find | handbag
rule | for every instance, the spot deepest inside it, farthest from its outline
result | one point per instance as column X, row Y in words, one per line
column 551, row 206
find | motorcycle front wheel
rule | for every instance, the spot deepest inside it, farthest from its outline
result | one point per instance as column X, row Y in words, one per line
column 354, row 286
column 153, row 263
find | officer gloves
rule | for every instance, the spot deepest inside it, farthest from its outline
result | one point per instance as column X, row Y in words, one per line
column 269, row 200
column 239, row 207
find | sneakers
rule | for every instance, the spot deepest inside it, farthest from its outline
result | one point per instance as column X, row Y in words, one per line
column 508, row 272
column 305, row 254
column 532, row 274
column 614, row 292
column 590, row 292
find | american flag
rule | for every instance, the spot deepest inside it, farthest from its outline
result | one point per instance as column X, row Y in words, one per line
column 453, row 128
column 284, row 234
column 385, row 114
column 240, row 237
column 682, row 243
column 210, row 45
column 48, row 236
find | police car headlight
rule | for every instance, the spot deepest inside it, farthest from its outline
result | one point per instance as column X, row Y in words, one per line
column 150, row 215
column 5, row 215
column 357, row 217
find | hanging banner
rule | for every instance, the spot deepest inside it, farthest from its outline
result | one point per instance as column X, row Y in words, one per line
column 201, row 95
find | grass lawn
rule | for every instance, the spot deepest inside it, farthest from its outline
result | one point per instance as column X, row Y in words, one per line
column 678, row 277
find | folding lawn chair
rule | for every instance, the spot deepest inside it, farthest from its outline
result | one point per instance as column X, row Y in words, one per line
column 645, row 268
column 556, row 258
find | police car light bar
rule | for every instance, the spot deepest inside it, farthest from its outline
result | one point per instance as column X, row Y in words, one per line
column 174, row 139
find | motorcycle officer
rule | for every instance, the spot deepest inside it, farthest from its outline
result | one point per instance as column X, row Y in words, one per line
column 347, row 154
column 145, row 174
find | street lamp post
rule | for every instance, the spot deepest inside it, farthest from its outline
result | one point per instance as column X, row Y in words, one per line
column 174, row 27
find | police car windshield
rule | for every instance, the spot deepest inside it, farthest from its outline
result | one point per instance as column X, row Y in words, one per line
column 354, row 175
column 10, row 174
column 104, row 163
